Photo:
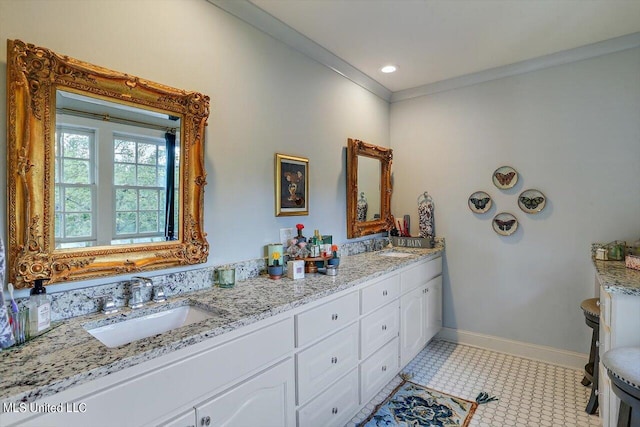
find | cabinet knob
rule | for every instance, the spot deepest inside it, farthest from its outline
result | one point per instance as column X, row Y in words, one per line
column 334, row 410
column 334, row 316
column 384, row 368
column 384, row 327
column 384, row 293
column 334, row 360
column 598, row 303
column 597, row 343
column 205, row 421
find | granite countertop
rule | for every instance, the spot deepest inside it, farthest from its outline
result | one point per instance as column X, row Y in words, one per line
column 615, row 277
column 68, row 355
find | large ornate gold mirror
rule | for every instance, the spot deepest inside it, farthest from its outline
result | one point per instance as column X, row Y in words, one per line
column 106, row 170
column 368, row 188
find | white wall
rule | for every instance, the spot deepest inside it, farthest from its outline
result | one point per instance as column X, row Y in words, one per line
column 572, row 132
column 265, row 99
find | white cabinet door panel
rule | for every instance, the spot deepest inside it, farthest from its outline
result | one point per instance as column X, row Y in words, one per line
column 265, row 400
column 434, row 307
column 413, row 334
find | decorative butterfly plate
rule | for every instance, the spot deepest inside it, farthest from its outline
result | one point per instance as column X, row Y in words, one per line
column 531, row 201
column 504, row 224
column 479, row 202
column 505, row 177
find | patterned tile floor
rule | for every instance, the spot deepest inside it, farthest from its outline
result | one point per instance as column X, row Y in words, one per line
column 530, row 393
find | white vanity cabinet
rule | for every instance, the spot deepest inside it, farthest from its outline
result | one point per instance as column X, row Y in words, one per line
column 315, row 365
column 153, row 392
column 389, row 330
column 420, row 307
column 619, row 327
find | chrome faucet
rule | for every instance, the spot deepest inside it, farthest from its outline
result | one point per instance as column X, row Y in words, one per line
column 137, row 283
column 108, row 304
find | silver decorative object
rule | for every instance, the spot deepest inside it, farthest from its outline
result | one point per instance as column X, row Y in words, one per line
column 425, row 216
column 361, row 208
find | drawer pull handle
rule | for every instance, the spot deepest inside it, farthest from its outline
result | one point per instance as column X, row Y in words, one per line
column 334, row 360
column 598, row 303
column 597, row 343
column 384, row 293
column 384, row 327
column 384, row 368
column 334, row 316
column 334, row 410
column 205, row 421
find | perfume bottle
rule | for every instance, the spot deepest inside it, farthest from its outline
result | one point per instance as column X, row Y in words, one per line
column 39, row 309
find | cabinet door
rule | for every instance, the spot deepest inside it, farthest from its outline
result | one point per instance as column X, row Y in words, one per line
column 264, row 400
column 413, row 334
column 434, row 307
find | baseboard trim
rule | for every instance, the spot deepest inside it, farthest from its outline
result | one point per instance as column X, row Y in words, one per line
column 554, row 356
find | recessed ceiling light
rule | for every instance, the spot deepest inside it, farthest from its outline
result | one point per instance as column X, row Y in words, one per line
column 388, row 69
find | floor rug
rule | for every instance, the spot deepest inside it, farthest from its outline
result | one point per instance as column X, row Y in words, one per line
column 412, row 405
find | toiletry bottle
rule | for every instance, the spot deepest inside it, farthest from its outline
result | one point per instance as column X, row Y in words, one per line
column 39, row 309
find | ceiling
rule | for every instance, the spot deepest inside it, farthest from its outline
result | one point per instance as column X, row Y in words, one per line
column 436, row 40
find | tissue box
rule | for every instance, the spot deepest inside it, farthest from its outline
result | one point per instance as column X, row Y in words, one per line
column 632, row 261
column 295, row 269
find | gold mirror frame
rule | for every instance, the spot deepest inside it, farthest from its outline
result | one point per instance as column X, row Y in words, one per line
column 33, row 75
column 357, row 148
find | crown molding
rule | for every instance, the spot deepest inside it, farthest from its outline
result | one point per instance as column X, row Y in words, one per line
column 258, row 18
column 617, row 44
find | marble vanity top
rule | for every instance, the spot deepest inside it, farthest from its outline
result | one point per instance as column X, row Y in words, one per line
column 615, row 277
column 68, row 355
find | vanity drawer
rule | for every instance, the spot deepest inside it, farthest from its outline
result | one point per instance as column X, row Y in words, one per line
column 420, row 274
column 380, row 293
column 323, row 363
column 378, row 370
column 378, row 328
column 334, row 407
column 319, row 321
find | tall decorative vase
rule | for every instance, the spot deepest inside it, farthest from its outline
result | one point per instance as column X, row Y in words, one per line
column 6, row 334
column 361, row 208
column 425, row 216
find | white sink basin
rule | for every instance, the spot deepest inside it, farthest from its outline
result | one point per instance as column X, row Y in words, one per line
column 127, row 331
column 395, row 254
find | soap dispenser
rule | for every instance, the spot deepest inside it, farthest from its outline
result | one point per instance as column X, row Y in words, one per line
column 39, row 309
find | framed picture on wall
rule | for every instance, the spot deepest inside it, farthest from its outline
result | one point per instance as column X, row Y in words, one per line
column 292, row 185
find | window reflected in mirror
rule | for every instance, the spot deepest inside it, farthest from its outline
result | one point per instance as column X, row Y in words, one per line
column 115, row 169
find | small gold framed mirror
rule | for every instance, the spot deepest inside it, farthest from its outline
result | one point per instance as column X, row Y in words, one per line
column 368, row 188
column 105, row 170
